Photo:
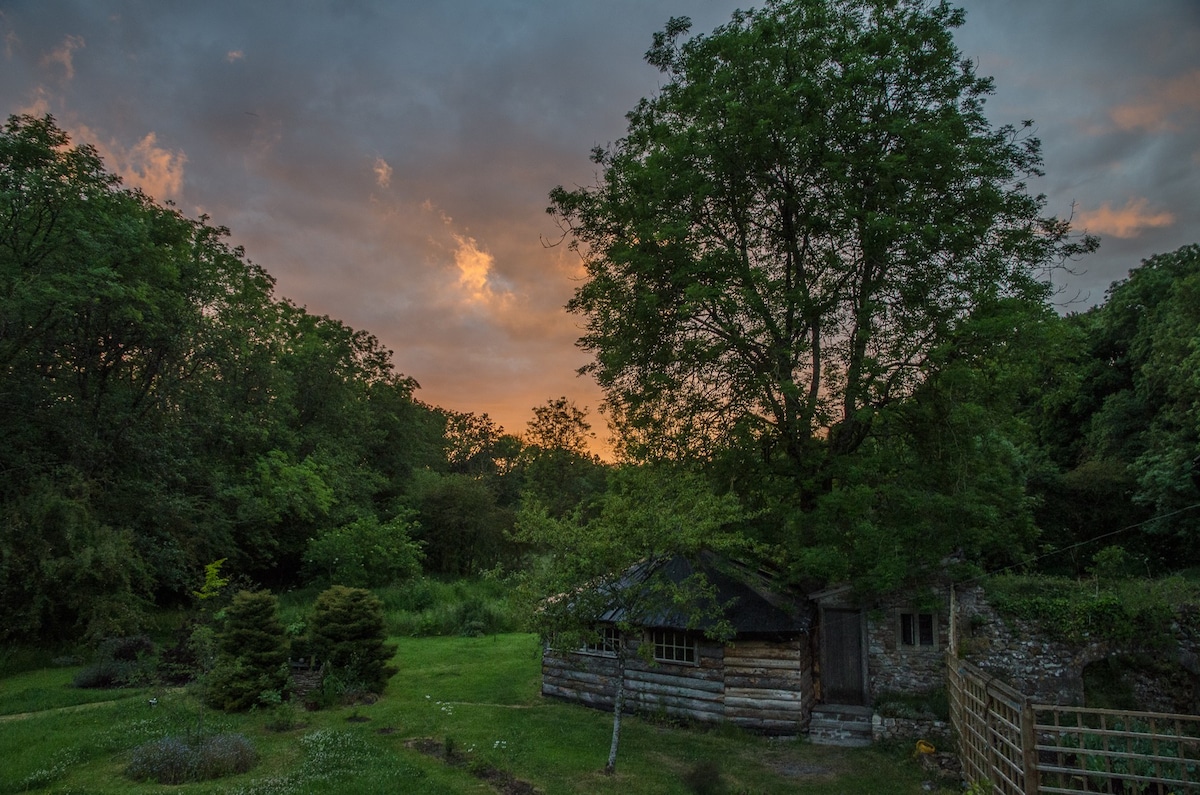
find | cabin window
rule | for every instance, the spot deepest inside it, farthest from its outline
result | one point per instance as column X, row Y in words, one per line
column 918, row 630
column 673, row 646
column 607, row 642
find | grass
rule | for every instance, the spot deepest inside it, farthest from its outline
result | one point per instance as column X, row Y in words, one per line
column 49, row 688
column 479, row 695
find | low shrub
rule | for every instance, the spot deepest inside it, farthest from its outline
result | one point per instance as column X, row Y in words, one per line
column 120, row 662
column 175, row 760
column 106, row 674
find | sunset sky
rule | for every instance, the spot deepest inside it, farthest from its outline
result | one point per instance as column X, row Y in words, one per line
column 388, row 161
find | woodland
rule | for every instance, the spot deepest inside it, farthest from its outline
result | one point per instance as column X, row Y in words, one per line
column 818, row 301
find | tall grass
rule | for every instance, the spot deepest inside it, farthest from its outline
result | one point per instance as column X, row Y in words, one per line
column 427, row 607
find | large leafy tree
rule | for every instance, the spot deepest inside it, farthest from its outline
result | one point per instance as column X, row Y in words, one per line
column 805, row 212
column 559, row 471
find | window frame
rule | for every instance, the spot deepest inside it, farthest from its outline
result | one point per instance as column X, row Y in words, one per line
column 608, row 645
column 910, row 632
column 674, row 646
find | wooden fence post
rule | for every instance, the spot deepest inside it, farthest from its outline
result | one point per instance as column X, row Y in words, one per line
column 1029, row 752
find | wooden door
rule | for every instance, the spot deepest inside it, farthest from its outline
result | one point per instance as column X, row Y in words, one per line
column 842, row 656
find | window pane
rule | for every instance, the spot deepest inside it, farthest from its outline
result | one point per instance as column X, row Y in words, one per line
column 926, row 621
column 670, row 646
column 907, row 635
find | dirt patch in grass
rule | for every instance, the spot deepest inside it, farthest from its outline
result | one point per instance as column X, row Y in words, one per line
column 500, row 780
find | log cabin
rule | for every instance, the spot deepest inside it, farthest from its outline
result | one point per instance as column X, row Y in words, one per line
column 795, row 664
column 760, row 679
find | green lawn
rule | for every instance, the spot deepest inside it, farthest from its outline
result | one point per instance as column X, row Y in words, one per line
column 477, row 695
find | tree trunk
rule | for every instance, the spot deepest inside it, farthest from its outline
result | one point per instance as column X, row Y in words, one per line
column 618, row 706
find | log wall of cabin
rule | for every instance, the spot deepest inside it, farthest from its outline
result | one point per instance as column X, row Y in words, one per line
column 759, row 685
column 769, row 686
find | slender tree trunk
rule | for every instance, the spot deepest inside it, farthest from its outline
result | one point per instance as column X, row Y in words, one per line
column 618, row 706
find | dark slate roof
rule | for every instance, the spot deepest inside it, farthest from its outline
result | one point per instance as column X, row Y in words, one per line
column 752, row 606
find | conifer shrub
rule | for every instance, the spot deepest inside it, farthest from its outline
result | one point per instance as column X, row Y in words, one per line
column 348, row 637
column 252, row 662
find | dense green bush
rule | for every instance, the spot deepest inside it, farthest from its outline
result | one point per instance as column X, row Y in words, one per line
column 1120, row 611
column 253, row 653
column 365, row 553
column 348, row 637
column 173, row 760
column 120, row 662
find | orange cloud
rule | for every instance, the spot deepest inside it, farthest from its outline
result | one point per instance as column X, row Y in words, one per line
column 1158, row 111
column 383, row 173
column 234, row 55
column 146, row 165
column 475, row 273
column 1126, row 222
column 64, row 55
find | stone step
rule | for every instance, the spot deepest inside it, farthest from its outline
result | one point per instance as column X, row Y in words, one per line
column 845, row 713
column 841, row 725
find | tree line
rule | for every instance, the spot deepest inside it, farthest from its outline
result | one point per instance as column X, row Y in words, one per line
column 161, row 408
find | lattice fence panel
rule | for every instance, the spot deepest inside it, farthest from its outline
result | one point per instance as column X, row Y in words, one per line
column 1095, row 750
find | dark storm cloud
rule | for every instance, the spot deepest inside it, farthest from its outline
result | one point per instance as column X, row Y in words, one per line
column 389, row 162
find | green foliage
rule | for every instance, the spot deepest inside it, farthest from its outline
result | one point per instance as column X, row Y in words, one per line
column 469, row 607
column 348, row 637
column 162, row 409
column 647, row 516
column 460, row 522
column 557, row 469
column 253, row 653
column 1124, row 426
column 213, row 581
column 365, row 553
column 792, row 227
column 1121, row 612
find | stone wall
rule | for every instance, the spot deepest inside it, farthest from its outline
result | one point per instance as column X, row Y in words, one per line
column 1052, row 671
column 884, row 728
column 1046, row 670
column 894, row 668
